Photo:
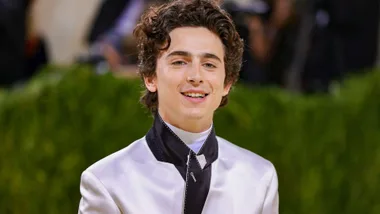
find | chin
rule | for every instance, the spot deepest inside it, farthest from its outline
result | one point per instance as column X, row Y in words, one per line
column 194, row 114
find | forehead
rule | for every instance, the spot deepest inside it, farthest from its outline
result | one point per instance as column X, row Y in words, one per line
column 195, row 40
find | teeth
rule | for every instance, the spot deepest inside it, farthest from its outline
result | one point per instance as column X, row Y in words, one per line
column 195, row 95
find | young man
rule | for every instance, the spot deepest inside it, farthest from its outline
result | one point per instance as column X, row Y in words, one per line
column 190, row 56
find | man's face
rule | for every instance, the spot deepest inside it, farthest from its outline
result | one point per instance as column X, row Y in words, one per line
column 190, row 76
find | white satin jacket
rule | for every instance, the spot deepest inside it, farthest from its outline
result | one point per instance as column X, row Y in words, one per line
column 158, row 174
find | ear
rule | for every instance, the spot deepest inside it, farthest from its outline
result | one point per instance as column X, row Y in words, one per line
column 150, row 83
column 227, row 88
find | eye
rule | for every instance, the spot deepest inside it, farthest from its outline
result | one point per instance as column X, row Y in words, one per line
column 179, row 62
column 209, row 65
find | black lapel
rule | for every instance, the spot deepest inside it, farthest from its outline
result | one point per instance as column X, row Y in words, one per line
column 168, row 147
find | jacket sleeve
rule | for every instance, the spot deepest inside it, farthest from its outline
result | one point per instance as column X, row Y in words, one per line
column 95, row 197
column 271, row 202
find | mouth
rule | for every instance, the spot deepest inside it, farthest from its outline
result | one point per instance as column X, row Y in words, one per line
column 194, row 95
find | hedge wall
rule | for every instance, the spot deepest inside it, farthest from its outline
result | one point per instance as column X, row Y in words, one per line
column 326, row 148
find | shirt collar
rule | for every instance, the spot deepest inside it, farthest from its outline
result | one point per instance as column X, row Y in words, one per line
column 190, row 137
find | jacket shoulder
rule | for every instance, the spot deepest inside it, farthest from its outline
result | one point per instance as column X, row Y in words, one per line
column 233, row 153
column 116, row 162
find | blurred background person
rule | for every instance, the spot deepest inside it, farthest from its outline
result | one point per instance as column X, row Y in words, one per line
column 343, row 40
column 22, row 51
column 268, row 29
column 12, row 40
column 305, row 46
column 110, row 36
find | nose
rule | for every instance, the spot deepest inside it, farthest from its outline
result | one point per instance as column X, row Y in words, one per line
column 194, row 75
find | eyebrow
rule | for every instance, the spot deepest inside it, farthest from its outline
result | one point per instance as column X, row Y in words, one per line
column 187, row 54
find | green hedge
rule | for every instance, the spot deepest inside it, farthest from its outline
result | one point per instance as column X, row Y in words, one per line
column 326, row 148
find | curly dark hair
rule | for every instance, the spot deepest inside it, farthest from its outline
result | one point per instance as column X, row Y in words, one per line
column 152, row 36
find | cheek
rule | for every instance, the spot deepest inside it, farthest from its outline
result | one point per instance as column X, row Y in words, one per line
column 168, row 83
column 218, row 84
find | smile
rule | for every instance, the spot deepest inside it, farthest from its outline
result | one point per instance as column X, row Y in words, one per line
column 194, row 95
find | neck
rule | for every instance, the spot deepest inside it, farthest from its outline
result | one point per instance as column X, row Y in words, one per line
column 193, row 125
